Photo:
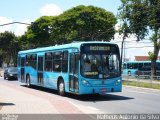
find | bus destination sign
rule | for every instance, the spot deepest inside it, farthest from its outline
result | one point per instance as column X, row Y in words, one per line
column 100, row 48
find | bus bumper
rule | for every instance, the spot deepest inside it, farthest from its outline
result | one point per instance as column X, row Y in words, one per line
column 100, row 90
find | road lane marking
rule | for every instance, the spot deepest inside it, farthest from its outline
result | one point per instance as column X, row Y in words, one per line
column 92, row 108
column 89, row 109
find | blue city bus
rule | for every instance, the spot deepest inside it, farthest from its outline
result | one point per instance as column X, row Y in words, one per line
column 78, row 67
column 131, row 68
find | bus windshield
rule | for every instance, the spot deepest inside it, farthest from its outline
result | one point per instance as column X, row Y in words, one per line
column 100, row 65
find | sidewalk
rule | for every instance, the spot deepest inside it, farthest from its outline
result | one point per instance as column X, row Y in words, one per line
column 30, row 103
column 18, row 102
column 23, row 100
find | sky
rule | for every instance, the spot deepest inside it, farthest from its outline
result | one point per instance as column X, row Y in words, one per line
column 29, row 10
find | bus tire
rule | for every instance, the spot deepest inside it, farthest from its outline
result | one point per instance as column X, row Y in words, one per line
column 61, row 88
column 28, row 82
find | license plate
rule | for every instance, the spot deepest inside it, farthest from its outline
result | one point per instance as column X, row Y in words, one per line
column 103, row 90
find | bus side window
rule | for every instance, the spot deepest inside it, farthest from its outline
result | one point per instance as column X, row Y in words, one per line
column 124, row 66
column 31, row 60
column 140, row 65
column 48, row 61
column 135, row 65
column 130, row 66
column 57, row 61
column 65, row 61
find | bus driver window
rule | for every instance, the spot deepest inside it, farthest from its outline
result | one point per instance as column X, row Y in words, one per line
column 87, row 63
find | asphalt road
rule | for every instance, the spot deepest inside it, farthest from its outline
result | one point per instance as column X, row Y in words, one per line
column 132, row 100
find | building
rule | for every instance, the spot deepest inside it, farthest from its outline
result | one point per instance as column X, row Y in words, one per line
column 144, row 58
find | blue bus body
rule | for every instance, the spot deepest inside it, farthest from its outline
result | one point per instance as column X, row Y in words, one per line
column 131, row 67
column 48, row 66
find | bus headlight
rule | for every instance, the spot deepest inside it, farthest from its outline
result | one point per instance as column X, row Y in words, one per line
column 85, row 83
column 118, row 82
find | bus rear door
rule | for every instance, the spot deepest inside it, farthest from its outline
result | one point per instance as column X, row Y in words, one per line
column 40, row 71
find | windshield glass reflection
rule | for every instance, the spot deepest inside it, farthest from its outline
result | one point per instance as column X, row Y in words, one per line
column 100, row 66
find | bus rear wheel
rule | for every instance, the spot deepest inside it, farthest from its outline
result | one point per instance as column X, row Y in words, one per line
column 28, row 81
column 61, row 88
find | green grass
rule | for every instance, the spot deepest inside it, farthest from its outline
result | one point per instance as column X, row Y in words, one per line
column 141, row 84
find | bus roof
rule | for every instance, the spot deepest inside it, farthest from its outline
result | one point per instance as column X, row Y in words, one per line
column 64, row 46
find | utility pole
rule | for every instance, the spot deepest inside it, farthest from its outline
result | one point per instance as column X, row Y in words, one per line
column 122, row 51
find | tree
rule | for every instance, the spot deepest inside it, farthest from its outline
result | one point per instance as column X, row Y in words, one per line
column 23, row 42
column 78, row 23
column 9, row 47
column 84, row 23
column 140, row 17
column 39, row 32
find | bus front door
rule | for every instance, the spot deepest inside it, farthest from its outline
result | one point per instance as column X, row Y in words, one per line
column 40, row 71
column 73, row 73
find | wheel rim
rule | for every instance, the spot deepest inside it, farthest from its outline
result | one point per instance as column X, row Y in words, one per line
column 61, row 87
column 28, row 83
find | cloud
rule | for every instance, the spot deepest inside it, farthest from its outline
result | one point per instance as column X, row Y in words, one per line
column 20, row 29
column 51, row 10
column 4, row 20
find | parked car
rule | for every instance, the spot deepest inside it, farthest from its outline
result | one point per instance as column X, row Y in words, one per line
column 11, row 73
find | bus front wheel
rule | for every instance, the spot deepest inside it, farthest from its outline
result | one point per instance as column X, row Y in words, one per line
column 28, row 81
column 61, row 88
